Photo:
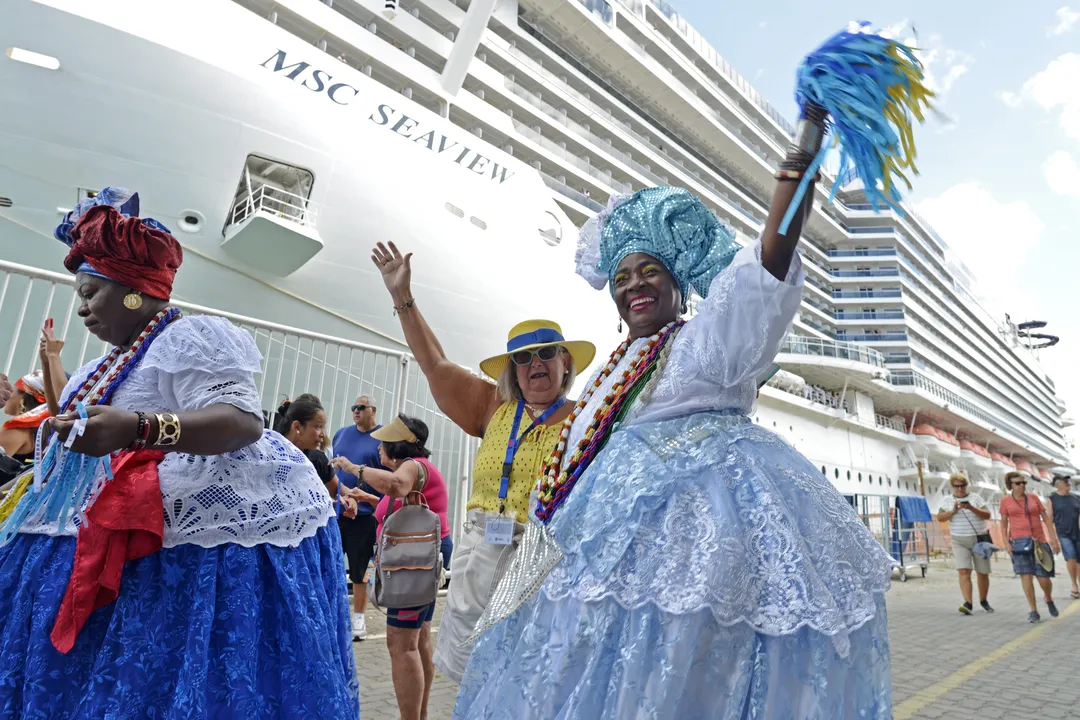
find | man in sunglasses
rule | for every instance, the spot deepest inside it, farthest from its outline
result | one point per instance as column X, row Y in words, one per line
column 358, row 534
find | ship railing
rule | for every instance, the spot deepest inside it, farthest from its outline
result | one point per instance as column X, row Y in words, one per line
column 562, row 153
column 563, row 188
column 294, row 361
column 801, row 345
column 602, row 9
column 889, row 423
column 565, row 87
column 913, row 378
column 275, row 201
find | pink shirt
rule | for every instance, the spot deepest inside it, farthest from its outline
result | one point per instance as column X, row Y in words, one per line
column 1023, row 525
column 434, row 492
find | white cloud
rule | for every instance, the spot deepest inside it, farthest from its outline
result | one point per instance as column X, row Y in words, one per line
column 1010, row 98
column 1066, row 21
column 1056, row 90
column 942, row 66
column 1062, row 174
column 983, row 231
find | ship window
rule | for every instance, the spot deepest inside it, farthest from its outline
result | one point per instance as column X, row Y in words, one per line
column 848, row 476
column 478, row 222
column 823, row 470
column 860, row 480
column 5, row 202
column 836, row 473
column 455, row 210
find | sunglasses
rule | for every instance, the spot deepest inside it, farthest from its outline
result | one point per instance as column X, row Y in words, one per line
column 525, row 357
column 1019, row 482
column 960, row 486
column 362, row 408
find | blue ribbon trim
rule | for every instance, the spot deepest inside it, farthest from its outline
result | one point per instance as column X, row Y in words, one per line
column 543, row 335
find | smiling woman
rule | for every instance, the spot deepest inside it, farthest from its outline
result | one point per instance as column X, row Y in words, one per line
column 519, row 418
column 157, row 476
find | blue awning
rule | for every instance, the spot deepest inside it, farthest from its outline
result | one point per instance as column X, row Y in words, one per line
column 914, row 509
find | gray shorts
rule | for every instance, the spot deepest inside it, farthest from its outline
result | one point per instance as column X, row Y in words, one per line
column 962, row 545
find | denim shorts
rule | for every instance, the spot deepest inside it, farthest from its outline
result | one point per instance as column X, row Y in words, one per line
column 1068, row 548
column 410, row 618
column 1024, row 564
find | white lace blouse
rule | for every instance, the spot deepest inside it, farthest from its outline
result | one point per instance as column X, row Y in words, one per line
column 718, row 355
column 267, row 492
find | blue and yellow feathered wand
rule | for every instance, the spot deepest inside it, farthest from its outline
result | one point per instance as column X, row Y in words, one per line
column 862, row 89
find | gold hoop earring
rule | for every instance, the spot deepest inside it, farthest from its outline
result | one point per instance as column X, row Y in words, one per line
column 133, row 301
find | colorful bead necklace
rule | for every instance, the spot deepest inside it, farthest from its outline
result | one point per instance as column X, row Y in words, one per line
column 556, row 482
column 118, row 364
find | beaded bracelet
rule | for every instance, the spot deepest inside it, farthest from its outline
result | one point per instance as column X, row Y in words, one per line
column 142, row 432
column 168, row 430
column 404, row 306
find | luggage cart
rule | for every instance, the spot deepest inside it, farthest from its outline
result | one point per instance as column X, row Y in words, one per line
column 910, row 542
column 896, row 530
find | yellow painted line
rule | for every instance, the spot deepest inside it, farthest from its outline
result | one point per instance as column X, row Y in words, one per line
column 917, row 702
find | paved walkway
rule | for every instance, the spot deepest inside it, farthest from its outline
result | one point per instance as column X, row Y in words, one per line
column 945, row 665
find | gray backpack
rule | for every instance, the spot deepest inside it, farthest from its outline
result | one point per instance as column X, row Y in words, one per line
column 408, row 564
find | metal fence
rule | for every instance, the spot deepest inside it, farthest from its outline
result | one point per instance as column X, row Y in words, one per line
column 295, row 361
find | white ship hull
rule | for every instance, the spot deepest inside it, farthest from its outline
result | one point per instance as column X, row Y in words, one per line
column 170, row 98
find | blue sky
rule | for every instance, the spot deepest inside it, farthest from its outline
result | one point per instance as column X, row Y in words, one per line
column 1000, row 180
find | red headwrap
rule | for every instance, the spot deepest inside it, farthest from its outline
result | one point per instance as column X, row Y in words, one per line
column 125, row 250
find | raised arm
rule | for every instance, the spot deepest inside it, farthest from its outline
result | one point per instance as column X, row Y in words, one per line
column 777, row 250
column 467, row 400
column 52, row 369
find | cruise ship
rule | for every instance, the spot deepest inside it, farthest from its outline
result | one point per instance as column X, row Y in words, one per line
column 282, row 138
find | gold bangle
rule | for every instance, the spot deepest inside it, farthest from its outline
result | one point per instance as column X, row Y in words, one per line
column 168, row 430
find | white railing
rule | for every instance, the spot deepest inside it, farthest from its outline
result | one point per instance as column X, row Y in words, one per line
column 890, row 423
column 295, row 361
column 275, row 201
column 799, row 345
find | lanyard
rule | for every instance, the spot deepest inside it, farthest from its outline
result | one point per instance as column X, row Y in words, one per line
column 512, row 444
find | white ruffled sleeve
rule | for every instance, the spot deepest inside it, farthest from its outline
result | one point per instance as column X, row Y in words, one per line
column 740, row 325
column 204, row 361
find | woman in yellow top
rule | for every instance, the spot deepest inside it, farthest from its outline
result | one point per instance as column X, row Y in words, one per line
column 528, row 403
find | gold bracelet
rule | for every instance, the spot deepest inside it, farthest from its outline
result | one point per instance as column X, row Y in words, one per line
column 168, row 430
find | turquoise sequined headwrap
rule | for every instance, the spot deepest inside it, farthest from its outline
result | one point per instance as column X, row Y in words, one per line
column 668, row 223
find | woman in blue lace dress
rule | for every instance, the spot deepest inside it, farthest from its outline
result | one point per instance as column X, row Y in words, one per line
column 682, row 561
column 171, row 559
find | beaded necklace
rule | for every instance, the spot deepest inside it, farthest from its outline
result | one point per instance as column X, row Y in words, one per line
column 118, row 364
column 556, row 482
column 72, row 476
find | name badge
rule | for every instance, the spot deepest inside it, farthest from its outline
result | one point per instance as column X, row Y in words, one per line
column 498, row 531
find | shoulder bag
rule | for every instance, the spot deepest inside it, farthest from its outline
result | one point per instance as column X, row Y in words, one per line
column 984, row 543
column 408, row 566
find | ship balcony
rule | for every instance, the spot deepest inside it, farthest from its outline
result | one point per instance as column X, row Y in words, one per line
column 272, row 230
column 830, row 361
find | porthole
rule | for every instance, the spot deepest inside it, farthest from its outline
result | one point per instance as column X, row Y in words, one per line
column 878, row 480
column 836, row 474
column 848, row 477
column 191, row 221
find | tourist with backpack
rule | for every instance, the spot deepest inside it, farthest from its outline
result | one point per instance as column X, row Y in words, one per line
column 412, row 519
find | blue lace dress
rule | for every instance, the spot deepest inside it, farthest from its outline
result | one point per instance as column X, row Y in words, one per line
column 708, row 570
column 243, row 613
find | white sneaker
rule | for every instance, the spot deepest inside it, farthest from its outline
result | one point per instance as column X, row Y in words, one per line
column 359, row 626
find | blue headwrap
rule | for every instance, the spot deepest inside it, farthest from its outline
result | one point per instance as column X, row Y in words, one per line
column 668, row 223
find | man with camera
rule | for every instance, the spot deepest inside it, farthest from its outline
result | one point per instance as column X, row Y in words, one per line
column 967, row 516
